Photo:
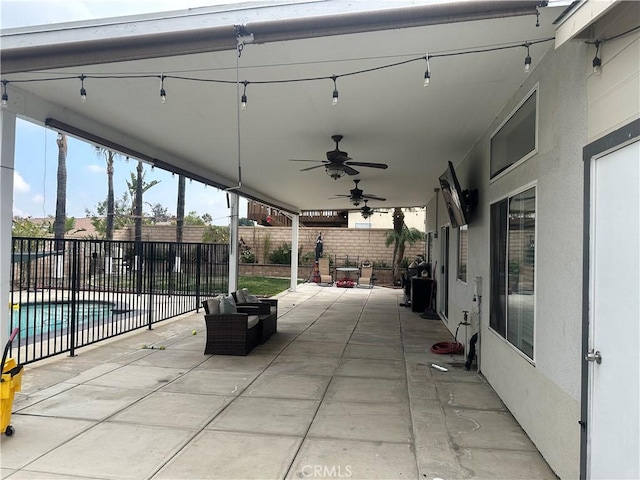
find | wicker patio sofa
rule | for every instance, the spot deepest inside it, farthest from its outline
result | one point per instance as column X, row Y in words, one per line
column 234, row 333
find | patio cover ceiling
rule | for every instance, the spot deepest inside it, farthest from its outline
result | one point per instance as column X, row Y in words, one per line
column 385, row 116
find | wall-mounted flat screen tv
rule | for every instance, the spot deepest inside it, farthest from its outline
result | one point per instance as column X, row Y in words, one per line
column 454, row 197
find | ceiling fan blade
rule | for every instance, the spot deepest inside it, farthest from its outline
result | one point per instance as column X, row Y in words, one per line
column 350, row 171
column 339, row 195
column 370, row 165
column 305, row 160
column 374, row 197
column 311, row 168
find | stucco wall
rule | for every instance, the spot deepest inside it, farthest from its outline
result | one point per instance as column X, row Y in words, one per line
column 543, row 395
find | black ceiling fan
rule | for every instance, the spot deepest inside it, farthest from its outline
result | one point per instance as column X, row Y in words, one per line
column 357, row 195
column 366, row 211
column 339, row 163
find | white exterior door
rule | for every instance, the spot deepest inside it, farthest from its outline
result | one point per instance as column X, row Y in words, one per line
column 613, row 438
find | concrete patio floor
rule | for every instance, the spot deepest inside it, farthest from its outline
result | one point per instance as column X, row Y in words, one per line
column 345, row 389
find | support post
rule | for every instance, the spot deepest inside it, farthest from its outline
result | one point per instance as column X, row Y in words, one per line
column 234, row 257
column 7, row 151
column 295, row 224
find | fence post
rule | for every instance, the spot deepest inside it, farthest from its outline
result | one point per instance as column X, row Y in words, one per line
column 198, row 271
column 150, row 261
column 75, row 285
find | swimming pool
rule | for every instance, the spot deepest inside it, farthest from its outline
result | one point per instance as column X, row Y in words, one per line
column 42, row 318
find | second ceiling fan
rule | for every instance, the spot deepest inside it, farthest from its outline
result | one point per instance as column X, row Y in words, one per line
column 357, row 195
column 338, row 163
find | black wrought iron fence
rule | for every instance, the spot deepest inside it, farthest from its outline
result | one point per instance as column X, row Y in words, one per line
column 66, row 294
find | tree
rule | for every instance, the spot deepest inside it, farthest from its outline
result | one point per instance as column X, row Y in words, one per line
column 137, row 179
column 216, row 234
column 180, row 208
column 159, row 213
column 69, row 224
column 399, row 236
column 25, row 227
column 109, row 157
column 121, row 217
column 193, row 219
column 61, row 195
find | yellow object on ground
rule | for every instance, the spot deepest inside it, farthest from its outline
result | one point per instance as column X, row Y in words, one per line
column 11, row 383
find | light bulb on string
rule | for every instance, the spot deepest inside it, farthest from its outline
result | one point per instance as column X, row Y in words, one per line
column 527, row 59
column 163, row 92
column 334, row 99
column 83, row 92
column 243, row 99
column 427, row 73
column 597, row 63
column 5, row 97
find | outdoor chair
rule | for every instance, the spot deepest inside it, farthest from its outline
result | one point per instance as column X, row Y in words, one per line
column 323, row 269
column 366, row 275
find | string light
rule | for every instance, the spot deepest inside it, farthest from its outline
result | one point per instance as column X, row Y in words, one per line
column 5, row 97
column 334, row 78
column 334, row 100
column 243, row 100
column 427, row 73
column 163, row 92
column 83, row 92
column 597, row 63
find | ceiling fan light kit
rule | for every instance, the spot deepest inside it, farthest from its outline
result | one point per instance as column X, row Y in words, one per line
column 334, row 171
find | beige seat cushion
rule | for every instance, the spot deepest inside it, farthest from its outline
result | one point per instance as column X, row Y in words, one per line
column 252, row 321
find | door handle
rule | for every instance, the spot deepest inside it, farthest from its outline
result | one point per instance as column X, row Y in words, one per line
column 593, row 356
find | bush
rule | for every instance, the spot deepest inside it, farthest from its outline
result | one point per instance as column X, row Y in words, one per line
column 281, row 255
column 308, row 258
column 248, row 257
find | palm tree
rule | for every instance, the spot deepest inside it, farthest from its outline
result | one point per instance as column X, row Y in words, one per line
column 180, row 209
column 137, row 187
column 399, row 236
column 109, row 156
column 179, row 223
column 61, row 196
column 137, row 203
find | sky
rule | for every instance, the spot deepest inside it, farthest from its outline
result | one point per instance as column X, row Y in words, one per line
column 36, row 151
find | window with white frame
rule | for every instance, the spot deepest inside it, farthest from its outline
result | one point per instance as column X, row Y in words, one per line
column 512, row 257
column 516, row 139
column 463, row 252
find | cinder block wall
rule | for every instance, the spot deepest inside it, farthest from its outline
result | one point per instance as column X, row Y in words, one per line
column 339, row 243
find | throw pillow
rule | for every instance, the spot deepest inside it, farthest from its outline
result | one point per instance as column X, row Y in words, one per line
column 227, row 305
column 213, row 305
column 252, row 299
column 240, row 296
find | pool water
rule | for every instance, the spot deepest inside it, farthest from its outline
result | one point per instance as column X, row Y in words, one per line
column 41, row 318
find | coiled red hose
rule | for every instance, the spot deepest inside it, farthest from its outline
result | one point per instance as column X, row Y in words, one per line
column 443, row 348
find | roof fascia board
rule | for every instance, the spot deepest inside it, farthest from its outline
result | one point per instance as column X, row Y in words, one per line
column 580, row 18
column 201, row 33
